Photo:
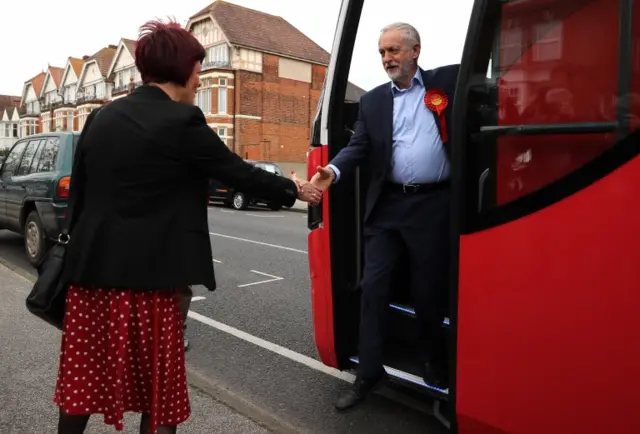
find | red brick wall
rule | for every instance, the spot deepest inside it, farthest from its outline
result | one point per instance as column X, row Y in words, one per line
column 287, row 108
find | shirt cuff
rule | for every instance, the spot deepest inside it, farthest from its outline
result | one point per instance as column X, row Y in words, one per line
column 336, row 171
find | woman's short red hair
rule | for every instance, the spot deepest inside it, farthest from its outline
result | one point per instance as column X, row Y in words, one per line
column 165, row 52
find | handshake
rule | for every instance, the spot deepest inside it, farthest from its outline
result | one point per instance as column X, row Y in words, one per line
column 311, row 191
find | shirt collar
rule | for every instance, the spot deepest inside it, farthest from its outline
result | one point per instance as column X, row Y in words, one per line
column 416, row 80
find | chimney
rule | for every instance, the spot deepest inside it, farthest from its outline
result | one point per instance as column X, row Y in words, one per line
column 113, row 46
column 85, row 57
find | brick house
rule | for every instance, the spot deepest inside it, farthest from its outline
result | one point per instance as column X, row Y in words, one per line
column 122, row 71
column 50, row 99
column 29, row 109
column 260, row 83
column 9, row 120
column 66, row 111
column 94, row 87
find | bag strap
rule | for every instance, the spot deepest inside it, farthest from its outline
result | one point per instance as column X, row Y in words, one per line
column 74, row 199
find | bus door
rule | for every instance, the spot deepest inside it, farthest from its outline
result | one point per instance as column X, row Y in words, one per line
column 546, row 180
column 336, row 240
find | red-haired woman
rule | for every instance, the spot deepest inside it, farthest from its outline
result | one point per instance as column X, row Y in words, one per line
column 139, row 233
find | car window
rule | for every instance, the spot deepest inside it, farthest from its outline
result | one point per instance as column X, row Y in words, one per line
column 268, row 168
column 28, row 156
column 13, row 159
column 36, row 157
column 49, row 155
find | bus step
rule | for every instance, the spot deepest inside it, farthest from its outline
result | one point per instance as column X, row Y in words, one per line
column 411, row 312
column 408, row 378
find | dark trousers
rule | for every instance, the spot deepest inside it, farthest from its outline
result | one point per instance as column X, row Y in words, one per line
column 185, row 302
column 418, row 225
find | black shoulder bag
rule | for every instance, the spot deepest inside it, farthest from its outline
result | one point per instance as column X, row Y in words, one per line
column 48, row 297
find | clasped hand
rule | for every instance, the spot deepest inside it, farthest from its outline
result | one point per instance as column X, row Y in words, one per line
column 307, row 192
column 311, row 191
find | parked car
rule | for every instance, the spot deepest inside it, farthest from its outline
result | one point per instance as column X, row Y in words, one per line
column 238, row 199
column 34, row 188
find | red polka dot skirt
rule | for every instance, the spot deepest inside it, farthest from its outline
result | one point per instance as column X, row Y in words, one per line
column 123, row 351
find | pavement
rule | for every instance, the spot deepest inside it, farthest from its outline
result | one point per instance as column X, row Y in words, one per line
column 28, row 368
column 252, row 345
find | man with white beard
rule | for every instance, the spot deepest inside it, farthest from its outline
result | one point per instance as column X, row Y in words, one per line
column 402, row 137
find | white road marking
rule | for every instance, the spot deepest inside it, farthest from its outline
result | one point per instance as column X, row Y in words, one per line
column 275, row 348
column 271, row 279
column 275, row 246
column 216, row 261
column 264, row 216
column 198, row 298
column 305, row 360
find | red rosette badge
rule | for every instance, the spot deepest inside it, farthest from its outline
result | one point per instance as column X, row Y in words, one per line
column 437, row 101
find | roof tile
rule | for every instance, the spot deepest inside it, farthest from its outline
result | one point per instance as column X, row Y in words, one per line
column 268, row 33
column 76, row 64
column 37, row 82
column 56, row 74
column 103, row 58
column 7, row 101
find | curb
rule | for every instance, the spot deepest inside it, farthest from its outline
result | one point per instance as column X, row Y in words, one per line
column 215, row 390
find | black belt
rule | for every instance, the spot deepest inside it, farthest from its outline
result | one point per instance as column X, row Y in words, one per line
column 416, row 188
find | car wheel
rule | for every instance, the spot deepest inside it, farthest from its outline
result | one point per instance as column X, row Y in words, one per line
column 36, row 243
column 240, row 201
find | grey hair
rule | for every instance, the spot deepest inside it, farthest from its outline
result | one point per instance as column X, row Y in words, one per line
column 409, row 33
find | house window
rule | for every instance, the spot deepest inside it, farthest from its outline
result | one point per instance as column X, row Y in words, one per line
column 203, row 97
column 83, row 114
column 222, row 95
column 59, row 120
column 7, row 130
column 33, row 107
column 223, row 134
column 217, row 55
column 33, row 125
column 70, row 120
column 123, row 77
column 15, row 130
column 549, row 41
column 46, row 122
column 70, row 94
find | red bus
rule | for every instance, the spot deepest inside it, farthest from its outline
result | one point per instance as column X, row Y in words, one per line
column 545, row 275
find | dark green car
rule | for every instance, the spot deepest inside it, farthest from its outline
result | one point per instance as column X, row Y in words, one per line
column 34, row 187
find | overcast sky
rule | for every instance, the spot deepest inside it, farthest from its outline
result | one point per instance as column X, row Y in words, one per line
column 37, row 33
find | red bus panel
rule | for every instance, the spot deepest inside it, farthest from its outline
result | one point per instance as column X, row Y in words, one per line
column 547, row 302
column 548, row 309
column 320, row 270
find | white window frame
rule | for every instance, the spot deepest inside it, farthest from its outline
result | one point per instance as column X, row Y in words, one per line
column 46, row 122
column 223, row 95
column 203, row 96
column 223, row 133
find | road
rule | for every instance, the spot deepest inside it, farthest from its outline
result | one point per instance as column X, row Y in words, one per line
column 253, row 338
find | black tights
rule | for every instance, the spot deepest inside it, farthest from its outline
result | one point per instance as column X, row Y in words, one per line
column 68, row 424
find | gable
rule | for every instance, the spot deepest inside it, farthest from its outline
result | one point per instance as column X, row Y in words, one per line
column 30, row 94
column 207, row 31
column 15, row 116
column 50, row 84
column 5, row 117
column 124, row 58
column 90, row 74
column 69, row 76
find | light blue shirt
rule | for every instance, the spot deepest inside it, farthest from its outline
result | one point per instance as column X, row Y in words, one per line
column 417, row 156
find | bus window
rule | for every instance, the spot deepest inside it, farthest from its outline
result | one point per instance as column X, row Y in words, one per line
column 556, row 96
